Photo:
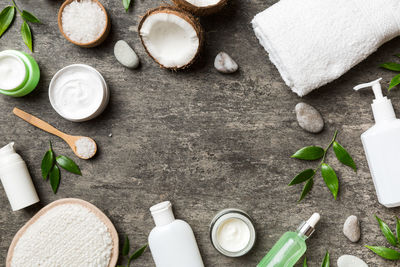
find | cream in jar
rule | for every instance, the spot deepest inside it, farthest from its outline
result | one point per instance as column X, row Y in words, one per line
column 232, row 232
column 12, row 71
column 78, row 92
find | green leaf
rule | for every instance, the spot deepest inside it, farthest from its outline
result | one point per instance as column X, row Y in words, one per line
column 398, row 229
column 136, row 254
column 6, row 17
column 55, row 178
column 326, row 261
column 343, row 156
column 387, row 232
column 126, row 247
column 68, row 164
column 47, row 163
column 126, row 4
column 29, row 17
column 309, row 153
column 395, row 81
column 302, row 177
column 307, row 188
column 26, row 35
column 390, row 66
column 330, row 179
column 386, row 253
column 305, row 262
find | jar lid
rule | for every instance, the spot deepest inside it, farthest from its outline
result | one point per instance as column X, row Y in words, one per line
column 220, row 219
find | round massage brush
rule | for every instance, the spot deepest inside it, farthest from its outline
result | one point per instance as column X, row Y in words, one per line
column 100, row 215
column 93, row 43
column 71, row 140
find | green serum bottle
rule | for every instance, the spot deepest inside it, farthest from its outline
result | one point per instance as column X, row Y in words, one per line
column 291, row 246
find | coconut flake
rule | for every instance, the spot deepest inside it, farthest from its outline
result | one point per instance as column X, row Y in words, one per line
column 171, row 40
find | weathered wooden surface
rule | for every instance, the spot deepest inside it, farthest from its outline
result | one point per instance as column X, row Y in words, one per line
column 203, row 140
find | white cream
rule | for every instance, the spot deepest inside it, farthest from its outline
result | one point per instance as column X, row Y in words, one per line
column 233, row 235
column 77, row 92
column 12, row 71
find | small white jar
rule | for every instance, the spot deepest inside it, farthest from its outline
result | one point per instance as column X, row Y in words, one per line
column 232, row 232
column 78, row 93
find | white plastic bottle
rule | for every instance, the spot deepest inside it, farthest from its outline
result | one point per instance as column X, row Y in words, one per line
column 16, row 180
column 172, row 242
column 382, row 147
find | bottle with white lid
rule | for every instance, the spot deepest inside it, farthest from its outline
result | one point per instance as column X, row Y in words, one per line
column 16, row 180
column 172, row 242
column 291, row 246
column 382, row 147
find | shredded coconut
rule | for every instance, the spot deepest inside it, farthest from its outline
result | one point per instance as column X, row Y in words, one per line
column 85, row 147
column 65, row 236
column 83, row 21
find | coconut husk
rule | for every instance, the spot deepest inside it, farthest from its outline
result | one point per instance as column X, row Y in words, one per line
column 184, row 15
column 200, row 11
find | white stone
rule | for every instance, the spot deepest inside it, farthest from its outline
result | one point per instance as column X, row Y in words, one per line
column 309, row 118
column 126, row 55
column 224, row 63
column 351, row 228
column 350, row 261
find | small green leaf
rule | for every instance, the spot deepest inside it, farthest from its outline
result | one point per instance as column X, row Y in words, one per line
column 68, row 164
column 6, row 17
column 136, row 254
column 29, row 17
column 330, row 179
column 387, row 232
column 305, row 262
column 126, row 4
column 26, row 35
column 343, row 156
column 309, row 153
column 390, row 66
column 47, row 163
column 55, row 178
column 326, row 261
column 395, row 81
column 302, row 177
column 306, row 189
column 126, row 247
column 386, row 253
column 398, row 229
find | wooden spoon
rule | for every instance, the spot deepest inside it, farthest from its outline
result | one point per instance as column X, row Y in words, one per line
column 69, row 139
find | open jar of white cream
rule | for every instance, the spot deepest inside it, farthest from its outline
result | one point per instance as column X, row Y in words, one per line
column 78, row 93
column 232, row 232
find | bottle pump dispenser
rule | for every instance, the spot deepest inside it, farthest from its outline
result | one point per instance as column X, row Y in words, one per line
column 382, row 147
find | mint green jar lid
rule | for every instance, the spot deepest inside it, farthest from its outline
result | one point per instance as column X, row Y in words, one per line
column 24, row 82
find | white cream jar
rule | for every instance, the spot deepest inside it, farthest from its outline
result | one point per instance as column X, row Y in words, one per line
column 78, row 93
column 232, row 232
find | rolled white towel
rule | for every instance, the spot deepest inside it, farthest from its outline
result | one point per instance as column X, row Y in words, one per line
column 313, row 42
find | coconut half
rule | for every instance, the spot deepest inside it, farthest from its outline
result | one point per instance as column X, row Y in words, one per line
column 171, row 36
column 201, row 7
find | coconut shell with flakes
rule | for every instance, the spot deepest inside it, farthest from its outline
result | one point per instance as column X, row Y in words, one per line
column 201, row 7
column 171, row 36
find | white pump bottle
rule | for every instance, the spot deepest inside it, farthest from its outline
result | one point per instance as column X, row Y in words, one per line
column 172, row 242
column 382, row 147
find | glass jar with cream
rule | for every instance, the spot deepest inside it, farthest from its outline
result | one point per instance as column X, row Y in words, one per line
column 19, row 73
column 232, row 232
column 78, row 92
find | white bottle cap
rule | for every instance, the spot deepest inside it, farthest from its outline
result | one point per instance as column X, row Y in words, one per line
column 381, row 106
column 307, row 228
column 162, row 213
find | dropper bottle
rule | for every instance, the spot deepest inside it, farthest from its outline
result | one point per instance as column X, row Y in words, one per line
column 382, row 147
column 291, row 246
